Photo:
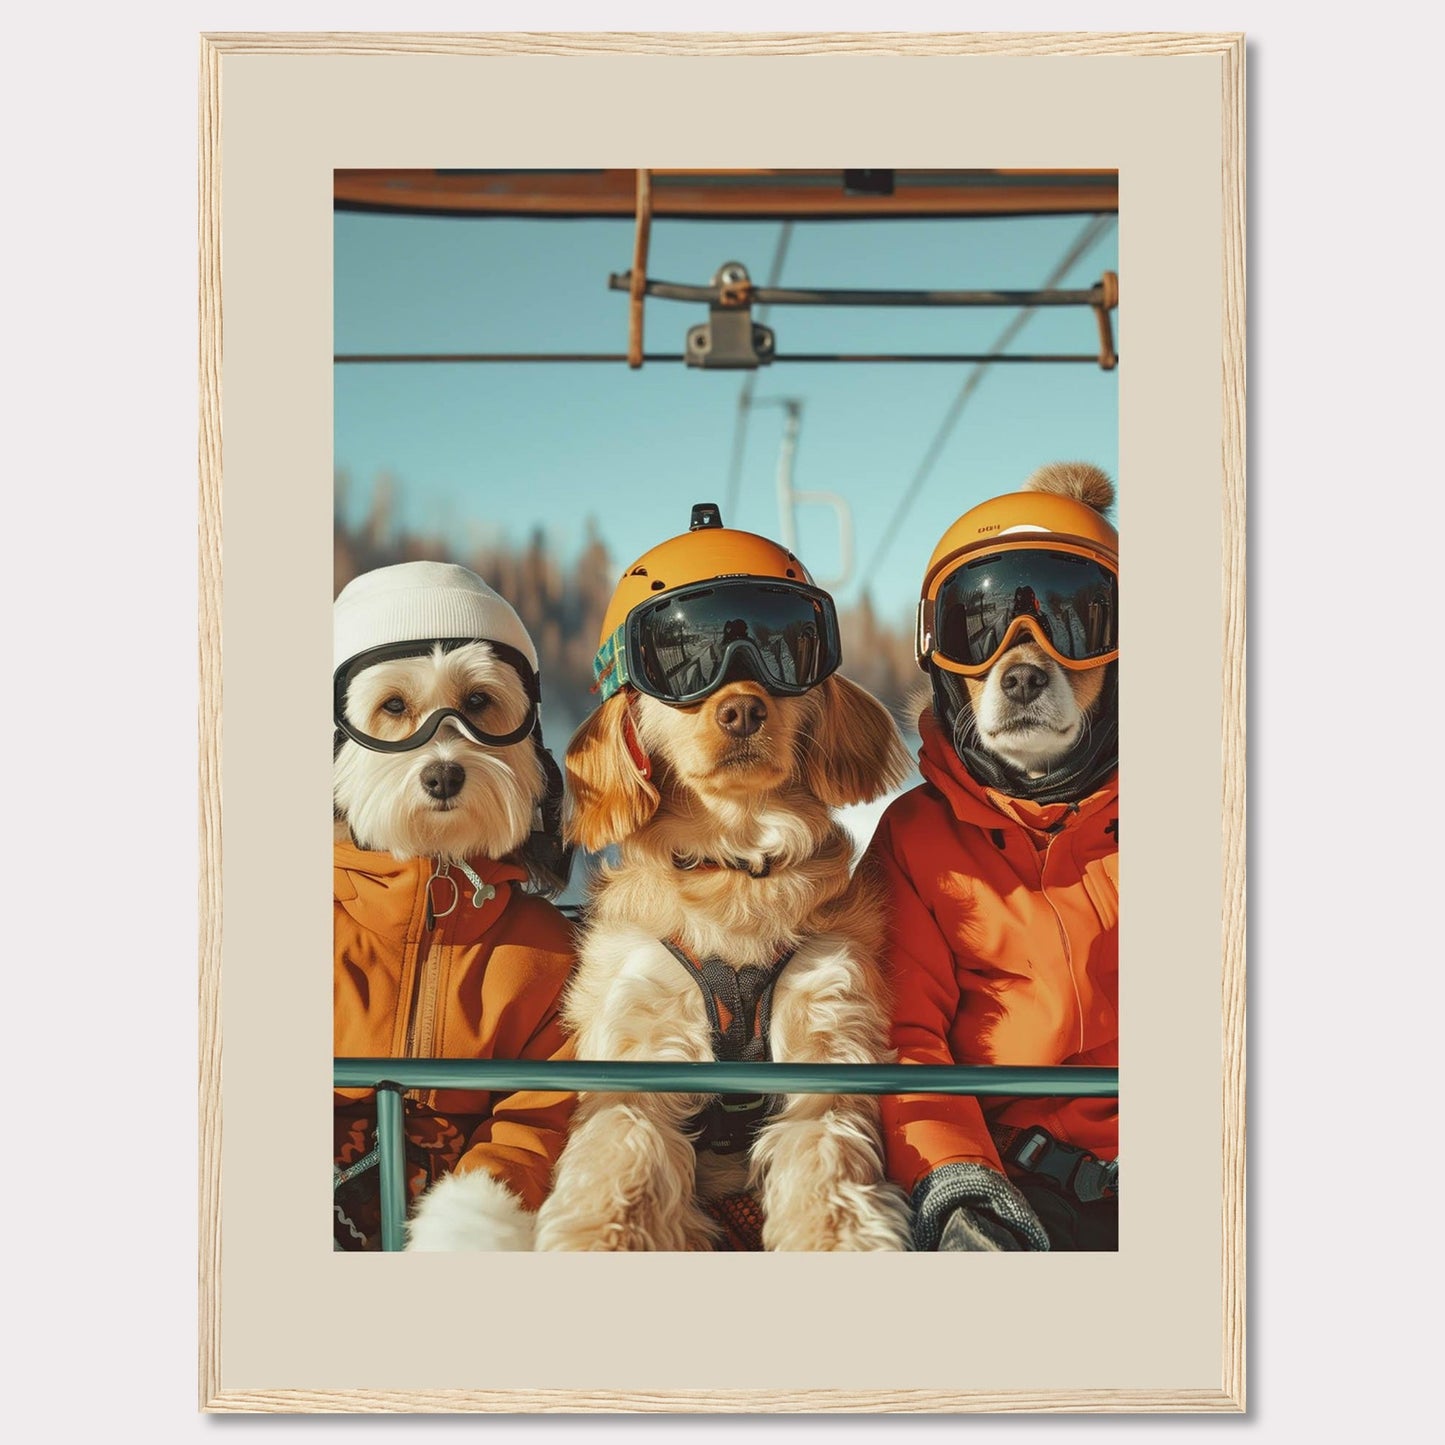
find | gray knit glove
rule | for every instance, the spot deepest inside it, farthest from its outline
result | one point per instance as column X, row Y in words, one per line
column 973, row 1207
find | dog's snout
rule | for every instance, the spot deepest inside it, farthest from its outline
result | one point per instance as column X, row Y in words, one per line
column 1023, row 682
column 741, row 714
column 443, row 780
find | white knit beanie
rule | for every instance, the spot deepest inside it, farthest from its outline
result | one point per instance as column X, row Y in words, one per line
column 417, row 601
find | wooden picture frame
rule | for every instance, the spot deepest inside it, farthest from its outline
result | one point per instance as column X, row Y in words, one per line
column 277, row 113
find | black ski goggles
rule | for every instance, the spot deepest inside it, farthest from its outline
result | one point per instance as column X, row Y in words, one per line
column 1065, row 597
column 681, row 647
column 473, row 725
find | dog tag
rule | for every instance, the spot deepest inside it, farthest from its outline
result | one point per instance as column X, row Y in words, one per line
column 481, row 892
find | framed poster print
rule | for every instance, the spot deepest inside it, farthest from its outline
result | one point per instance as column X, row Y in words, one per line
column 292, row 124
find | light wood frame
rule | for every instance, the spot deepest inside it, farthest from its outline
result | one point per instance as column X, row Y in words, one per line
column 1229, row 1396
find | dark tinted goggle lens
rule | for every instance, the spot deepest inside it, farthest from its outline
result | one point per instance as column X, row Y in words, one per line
column 682, row 644
column 1073, row 601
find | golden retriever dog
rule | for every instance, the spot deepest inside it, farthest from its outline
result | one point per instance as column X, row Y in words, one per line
column 732, row 866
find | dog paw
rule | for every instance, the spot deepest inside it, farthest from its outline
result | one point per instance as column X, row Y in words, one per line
column 613, row 1235
column 469, row 1212
column 850, row 1218
column 638, row 1228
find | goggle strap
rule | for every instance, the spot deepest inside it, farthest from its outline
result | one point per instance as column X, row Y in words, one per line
column 609, row 667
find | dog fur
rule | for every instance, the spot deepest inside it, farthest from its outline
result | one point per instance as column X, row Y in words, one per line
column 470, row 1211
column 629, row 1177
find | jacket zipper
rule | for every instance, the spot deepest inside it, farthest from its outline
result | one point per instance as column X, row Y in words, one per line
column 421, row 1014
column 1063, row 938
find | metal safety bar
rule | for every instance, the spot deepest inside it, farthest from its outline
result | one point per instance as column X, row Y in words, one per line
column 391, row 1164
column 390, row 1076
column 732, row 340
column 815, row 296
column 740, row 344
column 467, row 358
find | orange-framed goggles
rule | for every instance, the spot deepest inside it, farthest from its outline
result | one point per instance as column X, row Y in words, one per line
column 1064, row 595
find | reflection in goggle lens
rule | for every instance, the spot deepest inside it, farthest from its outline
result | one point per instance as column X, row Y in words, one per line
column 684, row 641
column 1073, row 601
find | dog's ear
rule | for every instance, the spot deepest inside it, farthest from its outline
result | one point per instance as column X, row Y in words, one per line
column 608, row 799
column 854, row 752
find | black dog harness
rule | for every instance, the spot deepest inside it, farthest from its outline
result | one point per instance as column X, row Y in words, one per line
column 739, row 1003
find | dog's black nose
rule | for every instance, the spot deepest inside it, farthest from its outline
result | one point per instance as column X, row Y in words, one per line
column 443, row 780
column 1023, row 682
column 742, row 714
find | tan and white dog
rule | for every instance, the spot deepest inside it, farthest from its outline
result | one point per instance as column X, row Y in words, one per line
column 1027, row 709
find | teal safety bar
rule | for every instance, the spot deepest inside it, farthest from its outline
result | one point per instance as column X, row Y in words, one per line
column 682, row 1078
column 391, row 1141
column 389, row 1076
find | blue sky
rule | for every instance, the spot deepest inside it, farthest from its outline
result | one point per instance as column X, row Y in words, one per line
column 479, row 451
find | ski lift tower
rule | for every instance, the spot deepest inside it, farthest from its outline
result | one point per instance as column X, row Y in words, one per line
column 789, row 498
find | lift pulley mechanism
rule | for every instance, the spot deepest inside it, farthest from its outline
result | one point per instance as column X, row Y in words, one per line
column 731, row 340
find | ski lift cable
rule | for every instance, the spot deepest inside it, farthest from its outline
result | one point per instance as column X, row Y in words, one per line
column 745, row 395
column 460, row 358
column 1092, row 233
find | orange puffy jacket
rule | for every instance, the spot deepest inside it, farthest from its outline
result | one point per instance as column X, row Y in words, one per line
column 482, row 982
column 1003, row 949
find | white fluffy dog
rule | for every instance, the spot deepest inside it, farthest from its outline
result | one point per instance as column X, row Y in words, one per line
column 445, row 805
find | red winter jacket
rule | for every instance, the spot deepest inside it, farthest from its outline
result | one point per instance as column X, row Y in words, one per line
column 1003, row 949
